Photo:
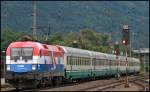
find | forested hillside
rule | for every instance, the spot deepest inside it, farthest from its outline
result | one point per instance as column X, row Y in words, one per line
column 72, row 16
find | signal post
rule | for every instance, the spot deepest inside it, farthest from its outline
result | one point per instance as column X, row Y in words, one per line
column 125, row 41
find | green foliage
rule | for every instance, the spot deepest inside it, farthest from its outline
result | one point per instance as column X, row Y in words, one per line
column 8, row 36
column 86, row 39
column 72, row 16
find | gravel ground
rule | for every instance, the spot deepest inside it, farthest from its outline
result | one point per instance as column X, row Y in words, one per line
column 132, row 87
column 78, row 87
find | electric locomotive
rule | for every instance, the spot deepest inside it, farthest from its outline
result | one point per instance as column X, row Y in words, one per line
column 32, row 63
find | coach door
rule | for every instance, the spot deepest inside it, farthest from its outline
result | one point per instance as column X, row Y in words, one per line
column 94, row 63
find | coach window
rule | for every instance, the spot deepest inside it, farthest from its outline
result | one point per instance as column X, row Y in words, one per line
column 77, row 60
column 74, row 60
column 104, row 62
column 112, row 63
column 80, row 60
column 83, row 61
column 87, row 61
column 121, row 63
column 98, row 61
column 71, row 61
column 107, row 62
column 67, row 60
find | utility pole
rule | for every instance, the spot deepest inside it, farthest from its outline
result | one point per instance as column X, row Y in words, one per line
column 131, row 42
column 4, row 62
column 48, row 33
column 34, row 21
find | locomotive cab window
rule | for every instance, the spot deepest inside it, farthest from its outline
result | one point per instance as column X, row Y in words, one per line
column 25, row 53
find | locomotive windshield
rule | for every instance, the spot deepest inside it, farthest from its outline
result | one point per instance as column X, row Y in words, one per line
column 15, row 53
column 25, row 53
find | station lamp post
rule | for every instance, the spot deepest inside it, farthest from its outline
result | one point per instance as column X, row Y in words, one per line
column 125, row 41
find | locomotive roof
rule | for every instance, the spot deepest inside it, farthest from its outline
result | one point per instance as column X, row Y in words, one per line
column 24, row 43
column 70, row 50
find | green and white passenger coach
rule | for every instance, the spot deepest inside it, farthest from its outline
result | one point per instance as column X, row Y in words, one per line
column 81, row 63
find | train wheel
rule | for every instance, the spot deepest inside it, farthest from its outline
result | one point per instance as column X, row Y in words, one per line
column 117, row 76
column 94, row 78
column 57, row 81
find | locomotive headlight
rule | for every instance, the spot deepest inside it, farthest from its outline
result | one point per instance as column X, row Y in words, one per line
column 8, row 67
column 33, row 67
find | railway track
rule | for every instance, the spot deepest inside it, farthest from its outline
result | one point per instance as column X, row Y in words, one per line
column 139, row 80
column 98, row 85
column 143, row 84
